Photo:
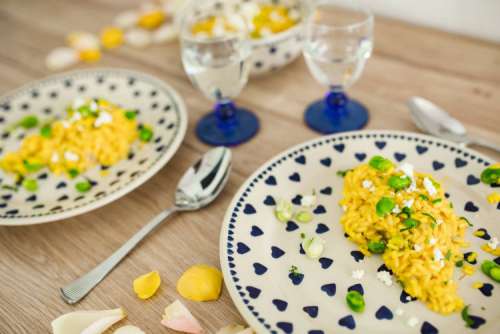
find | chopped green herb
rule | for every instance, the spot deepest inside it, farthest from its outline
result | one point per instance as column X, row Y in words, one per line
column 83, row 186
column 430, row 216
column 294, row 271
column 46, row 131
column 448, row 255
column 410, row 223
column 85, row 111
column 433, row 225
column 343, row 173
column 145, row 134
column 28, row 122
column 424, row 197
column 465, row 316
column 491, row 175
column 130, row 114
column 376, row 247
column 451, row 205
column 73, row 172
column 466, row 220
column 303, row 216
column 355, row 301
column 9, row 187
column 30, row 185
column 302, row 235
column 384, row 206
column 380, row 163
column 406, row 211
column 32, row 167
column 399, row 182
column 437, row 200
column 459, row 263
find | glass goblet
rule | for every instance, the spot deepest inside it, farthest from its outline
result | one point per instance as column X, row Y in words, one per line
column 338, row 42
column 218, row 64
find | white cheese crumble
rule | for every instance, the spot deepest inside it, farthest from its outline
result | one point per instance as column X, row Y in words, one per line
column 493, row 243
column 367, row 184
column 70, row 156
column 308, row 200
column 396, row 209
column 417, row 247
column 75, row 117
column 407, row 169
column 429, row 186
column 65, row 124
column 93, row 106
column 344, row 208
column 399, row 311
column 103, row 118
column 412, row 321
column 358, row 274
column 385, row 277
column 408, row 203
column 412, row 187
column 54, row 158
column 439, row 221
column 432, row 241
column 78, row 102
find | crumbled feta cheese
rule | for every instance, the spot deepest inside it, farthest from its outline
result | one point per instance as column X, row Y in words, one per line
column 75, row 117
column 308, row 200
column 70, row 156
column 103, row 118
column 407, row 169
column 493, row 243
column 438, row 255
column 385, row 277
column 412, row 321
column 408, row 203
column 78, row 102
column 396, row 209
column 367, row 184
column 399, row 311
column 54, row 158
column 408, row 298
column 439, row 221
column 358, row 274
column 93, row 106
column 65, row 124
column 429, row 186
column 344, row 208
column 432, row 241
column 412, row 187
column 417, row 247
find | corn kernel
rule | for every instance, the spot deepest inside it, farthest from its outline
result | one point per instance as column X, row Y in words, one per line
column 493, row 198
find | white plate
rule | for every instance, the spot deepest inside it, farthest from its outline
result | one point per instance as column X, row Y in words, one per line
column 257, row 251
column 159, row 106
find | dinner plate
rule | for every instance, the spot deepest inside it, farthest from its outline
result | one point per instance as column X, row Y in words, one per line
column 159, row 106
column 257, row 251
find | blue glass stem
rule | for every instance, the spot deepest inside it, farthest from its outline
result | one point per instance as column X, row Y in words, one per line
column 225, row 111
column 336, row 102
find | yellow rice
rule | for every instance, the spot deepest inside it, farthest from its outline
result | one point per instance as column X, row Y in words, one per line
column 419, row 273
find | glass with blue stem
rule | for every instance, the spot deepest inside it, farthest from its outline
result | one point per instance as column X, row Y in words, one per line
column 338, row 42
column 218, row 64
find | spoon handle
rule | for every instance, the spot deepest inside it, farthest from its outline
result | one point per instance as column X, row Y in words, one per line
column 484, row 143
column 79, row 288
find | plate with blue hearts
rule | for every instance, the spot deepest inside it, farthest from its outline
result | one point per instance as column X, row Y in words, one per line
column 157, row 105
column 257, row 252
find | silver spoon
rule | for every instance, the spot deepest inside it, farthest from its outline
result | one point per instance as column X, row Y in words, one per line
column 431, row 119
column 198, row 187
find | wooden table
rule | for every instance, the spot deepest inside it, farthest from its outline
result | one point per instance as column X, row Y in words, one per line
column 459, row 73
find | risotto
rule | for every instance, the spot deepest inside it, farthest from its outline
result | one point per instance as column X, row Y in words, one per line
column 94, row 132
column 405, row 216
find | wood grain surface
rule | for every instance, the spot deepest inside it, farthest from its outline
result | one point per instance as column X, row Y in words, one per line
column 461, row 74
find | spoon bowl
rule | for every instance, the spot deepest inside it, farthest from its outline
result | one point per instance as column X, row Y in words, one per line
column 198, row 187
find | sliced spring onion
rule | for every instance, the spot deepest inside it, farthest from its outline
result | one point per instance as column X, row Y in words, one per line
column 32, row 167
column 465, row 316
column 73, row 172
column 437, row 200
column 355, row 301
column 459, row 263
column 343, row 173
column 130, row 114
column 313, row 247
column 410, row 223
column 424, row 197
column 303, row 216
column 466, row 220
column 380, row 163
column 283, row 211
column 46, row 131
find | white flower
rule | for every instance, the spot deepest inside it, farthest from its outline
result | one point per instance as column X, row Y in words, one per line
column 89, row 322
column 103, row 118
column 358, row 274
column 138, row 38
column 129, row 329
column 166, row 33
column 313, row 247
column 385, row 277
column 126, row 19
column 70, row 156
column 493, row 243
column 429, row 186
column 412, row 321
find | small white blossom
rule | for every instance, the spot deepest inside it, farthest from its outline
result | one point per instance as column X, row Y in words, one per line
column 308, row 200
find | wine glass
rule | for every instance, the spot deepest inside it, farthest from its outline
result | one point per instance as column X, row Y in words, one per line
column 218, row 64
column 338, row 42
